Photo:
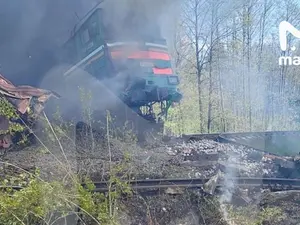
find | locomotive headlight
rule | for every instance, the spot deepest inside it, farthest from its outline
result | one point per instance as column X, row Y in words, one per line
column 173, row 80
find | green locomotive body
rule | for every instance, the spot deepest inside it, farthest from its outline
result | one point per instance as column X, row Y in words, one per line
column 139, row 56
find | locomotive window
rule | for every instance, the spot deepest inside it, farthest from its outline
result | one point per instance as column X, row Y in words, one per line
column 85, row 37
column 162, row 64
column 93, row 31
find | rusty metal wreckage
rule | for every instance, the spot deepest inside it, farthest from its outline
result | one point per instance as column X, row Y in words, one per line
column 28, row 102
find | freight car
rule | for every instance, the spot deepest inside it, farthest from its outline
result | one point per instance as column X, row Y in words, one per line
column 127, row 69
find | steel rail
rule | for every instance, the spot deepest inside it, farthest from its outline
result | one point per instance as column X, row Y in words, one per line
column 271, row 183
column 292, row 184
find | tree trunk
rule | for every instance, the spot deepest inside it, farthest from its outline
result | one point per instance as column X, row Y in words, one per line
column 210, row 89
column 249, row 64
column 223, row 123
column 200, row 100
column 243, row 60
column 198, row 66
column 209, row 112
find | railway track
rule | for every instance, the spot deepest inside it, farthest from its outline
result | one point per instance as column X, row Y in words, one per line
column 274, row 184
column 149, row 185
column 272, row 142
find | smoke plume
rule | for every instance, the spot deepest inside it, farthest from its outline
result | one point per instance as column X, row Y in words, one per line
column 228, row 185
column 141, row 15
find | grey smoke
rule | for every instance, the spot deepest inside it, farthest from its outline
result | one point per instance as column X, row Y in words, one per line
column 140, row 15
column 32, row 30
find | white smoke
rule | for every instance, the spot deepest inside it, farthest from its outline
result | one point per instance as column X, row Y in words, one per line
column 228, row 184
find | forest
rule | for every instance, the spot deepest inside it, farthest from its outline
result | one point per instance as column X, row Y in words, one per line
column 226, row 54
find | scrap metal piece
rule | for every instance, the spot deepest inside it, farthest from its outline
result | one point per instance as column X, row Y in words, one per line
column 210, row 186
column 28, row 102
column 21, row 96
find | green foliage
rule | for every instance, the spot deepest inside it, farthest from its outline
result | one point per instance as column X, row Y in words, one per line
column 43, row 201
column 33, row 203
column 39, row 199
column 273, row 215
column 8, row 111
column 184, row 117
column 85, row 98
column 253, row 216
column 123, row 133
column 103, row 206
column 242, row 88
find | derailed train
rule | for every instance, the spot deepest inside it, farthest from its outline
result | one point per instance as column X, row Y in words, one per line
column 127, row 72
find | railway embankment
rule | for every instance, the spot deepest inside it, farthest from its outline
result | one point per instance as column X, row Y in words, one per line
column 58, row 157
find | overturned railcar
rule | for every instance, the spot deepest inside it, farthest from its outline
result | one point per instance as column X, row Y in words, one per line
column 127, row 69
